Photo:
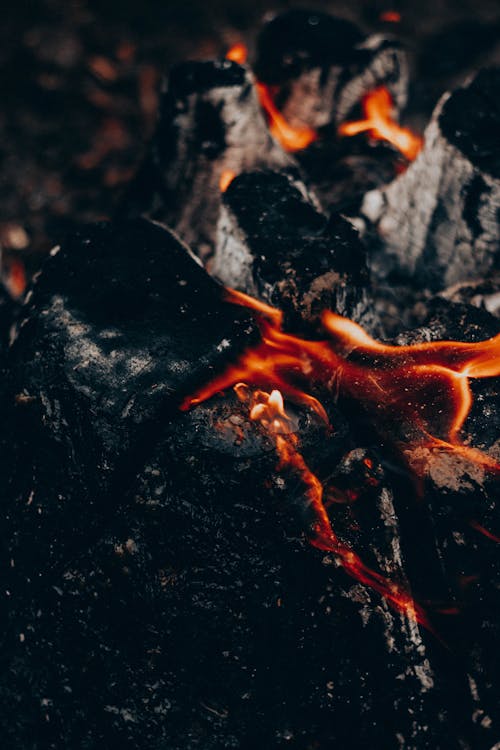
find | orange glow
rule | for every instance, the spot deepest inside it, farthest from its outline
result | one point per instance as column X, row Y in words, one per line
column 15, row 278
column 268, row 409
column 477, row 526
column 238, row 53
column 390, row 16
column 226, row 179
column 417, row 395
column 379, row 122
column 292, row 139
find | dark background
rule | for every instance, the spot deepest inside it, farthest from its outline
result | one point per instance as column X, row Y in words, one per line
column 79, row 83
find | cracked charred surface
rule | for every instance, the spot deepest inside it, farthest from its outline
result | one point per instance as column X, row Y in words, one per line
column 461, row 503
column 321, row 66
column 160, row 587
column 209, row 125
column 120, row 325
column 438, row 223
column 272, row 242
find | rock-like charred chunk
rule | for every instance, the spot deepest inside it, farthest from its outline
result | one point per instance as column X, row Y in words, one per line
column 210, row 124
column 274, row 243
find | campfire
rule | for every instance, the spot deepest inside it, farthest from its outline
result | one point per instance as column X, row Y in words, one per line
column 251, row 422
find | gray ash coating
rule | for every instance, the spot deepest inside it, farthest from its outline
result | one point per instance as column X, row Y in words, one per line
column 274, row 242
column 471, row 121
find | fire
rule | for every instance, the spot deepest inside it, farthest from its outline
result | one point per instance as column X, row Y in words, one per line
column 377, row 109
column 390, row 16
column 268, row 410
column 226, row 179
column 238, row 53
column 420, row 392
column 292, row 139
column 419, row 395
column 15, row 278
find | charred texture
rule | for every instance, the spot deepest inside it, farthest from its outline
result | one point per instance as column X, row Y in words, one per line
column 322, row 66
column 461, row 501
column 207, row 573
column 210, row 125
column 9, row 309
column 273, row 243
column 439, row 222
column 114, row 335
column 483, row 293
column 341, row 171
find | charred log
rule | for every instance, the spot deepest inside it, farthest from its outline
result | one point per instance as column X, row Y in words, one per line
column 207, row 572
column 273, row 243
column 210, row 126
column 461, row 500
column 322, row 66
column 484, row 293
column 438, row 223
column 113, row 335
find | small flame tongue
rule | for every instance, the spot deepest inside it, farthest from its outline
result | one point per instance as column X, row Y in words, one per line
column 238, row 53
column 377, row 109
column 394, row 384
column 413, row 392
column 269, row 411
column 292, row 139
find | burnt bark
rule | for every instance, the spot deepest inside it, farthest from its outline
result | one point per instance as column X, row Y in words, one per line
column 210, row 123
column 142, row 546
column 273, row 243
column 322, row 66
column 112, row 337
column 460, row 498
column 439, row 223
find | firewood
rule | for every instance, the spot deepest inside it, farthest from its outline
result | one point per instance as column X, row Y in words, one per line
column 322, row 66
column 438, row 223
column 274, row 243
column 210, row 128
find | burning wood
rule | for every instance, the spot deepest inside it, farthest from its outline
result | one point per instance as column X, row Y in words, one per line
column 210, row 126
column 272, row 241
column 438, row 222
column 251, row 483
column 378, row 121
column 321, row 66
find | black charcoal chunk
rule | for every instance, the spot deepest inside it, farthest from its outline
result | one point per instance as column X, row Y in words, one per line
column 210, row 126
column 274, row 243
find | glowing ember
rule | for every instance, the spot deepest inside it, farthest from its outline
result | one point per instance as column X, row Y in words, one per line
column 15, row 278
column 238, row 53
column 390, row 16
column 488, row 534
column 377, row 109
column 419, row 393
column 411, row 391
column 226, row 179
column 268, row 409
column 292, row 139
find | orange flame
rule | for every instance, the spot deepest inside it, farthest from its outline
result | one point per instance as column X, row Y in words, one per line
column 15, row 278
column 420, row 391
column 412, row 391
column 377, row 109
column 238, row 53
column 226, row 179
column 268, row 409
column 292, row 139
